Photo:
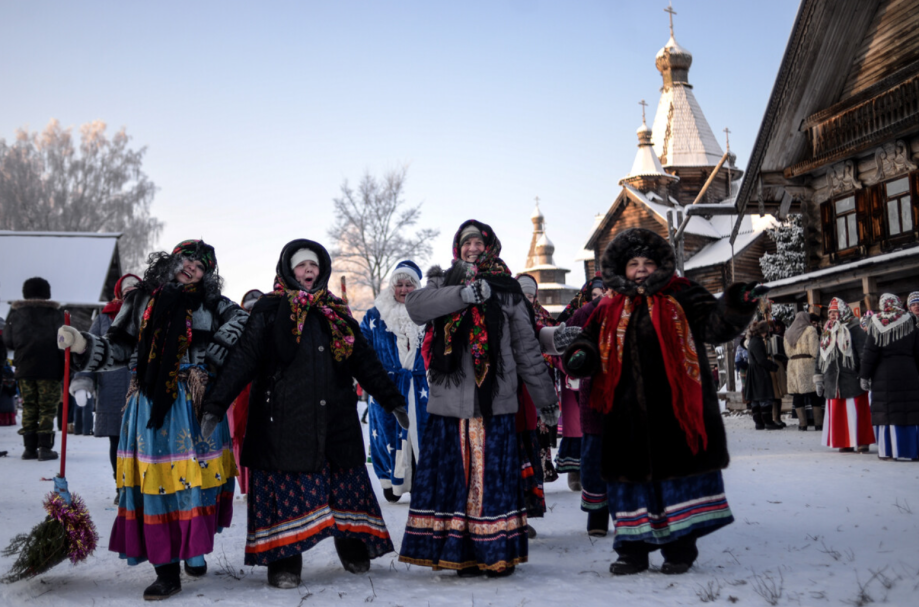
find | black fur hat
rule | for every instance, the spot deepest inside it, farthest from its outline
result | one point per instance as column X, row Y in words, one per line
column 36, row 288
column 637, row 242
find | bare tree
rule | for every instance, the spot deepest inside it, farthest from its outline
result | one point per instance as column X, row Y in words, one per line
column 48, row 184
column 373, row 229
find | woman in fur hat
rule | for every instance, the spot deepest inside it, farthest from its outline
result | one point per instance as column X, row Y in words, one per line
column 396, row 339
column 304, row 450
column 848, row 423
column 664, row 444
column 468, row 511
column 890, row 369
column 802, row 346
column 175, row 486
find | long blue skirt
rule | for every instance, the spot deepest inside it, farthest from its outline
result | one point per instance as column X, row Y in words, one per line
column 660, row 512
column 593, row 487
column 898, row 442
column 568, row 458
column 468, row 508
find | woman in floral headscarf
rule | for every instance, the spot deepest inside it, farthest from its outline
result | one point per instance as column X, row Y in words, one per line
column 468, row 512
column 848, row 423
column 890, row 369
column 175, row 486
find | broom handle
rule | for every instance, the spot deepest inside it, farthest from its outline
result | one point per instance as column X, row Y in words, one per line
column 344, row 290
column 66, row 411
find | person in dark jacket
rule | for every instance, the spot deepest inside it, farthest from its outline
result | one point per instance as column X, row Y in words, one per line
column 31, row 332
column 109, row 390
column 664, row 444
column 848, row 423
column 303, row 445
column 760, row 389
column 890, row 369
column 7, row 385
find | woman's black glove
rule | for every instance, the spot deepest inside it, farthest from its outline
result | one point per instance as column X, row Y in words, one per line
column 208, row 425
column 401, row 415
column 577, row 360
column 752, row 292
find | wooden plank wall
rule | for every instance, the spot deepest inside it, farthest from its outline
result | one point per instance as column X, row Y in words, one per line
column 891, row 43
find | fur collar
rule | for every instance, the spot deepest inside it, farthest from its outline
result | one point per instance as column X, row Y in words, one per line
column 616, row 256
column 408, row 334
column 36, row 303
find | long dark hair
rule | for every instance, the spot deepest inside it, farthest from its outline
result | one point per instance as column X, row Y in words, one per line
column 162, row 268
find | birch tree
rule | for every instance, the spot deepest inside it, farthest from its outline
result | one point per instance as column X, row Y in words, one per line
column 48, row 182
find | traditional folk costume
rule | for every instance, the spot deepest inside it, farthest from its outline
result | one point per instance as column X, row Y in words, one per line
column 175, row 487
column 396, row 339
column 890, row 363
column 304, row 449
column 468, row 511
column 664, row 444
column 848, row 422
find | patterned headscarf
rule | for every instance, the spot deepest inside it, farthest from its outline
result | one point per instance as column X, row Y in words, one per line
column 891, row 322
column 199, row 251
column 836, row 337
column 912, row 298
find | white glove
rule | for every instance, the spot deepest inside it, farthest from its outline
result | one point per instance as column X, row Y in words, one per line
column 68, row 337
column 81, row 383
column 818, row 384
column 82, row 397
column 865, row 384
column 476, row 293
column 564, row 336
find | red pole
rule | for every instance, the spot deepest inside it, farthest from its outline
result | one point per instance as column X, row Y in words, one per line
column 344, row 290
column 66, row 400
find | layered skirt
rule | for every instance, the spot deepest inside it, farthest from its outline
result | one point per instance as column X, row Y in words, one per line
column 848, row 422
column 660, row 512
column 175, row 487
column 593, row 487
column 290, row 512
column 568, row 458
column 898, row 442
column 468, row 507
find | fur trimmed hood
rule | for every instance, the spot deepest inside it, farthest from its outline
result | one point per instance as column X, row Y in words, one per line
column 34, row 303
column 286, row 274
column 631, row 243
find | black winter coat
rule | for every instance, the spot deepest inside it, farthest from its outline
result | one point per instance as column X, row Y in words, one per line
column 642, row 438
column 31, row 332
column 841, row 381
column 894, row 373
column 758, row 386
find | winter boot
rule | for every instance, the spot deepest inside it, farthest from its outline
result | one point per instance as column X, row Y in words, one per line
column 679, row 555
column 353, row 554
column 758, row 420
column 630, row 564
column 195, row 571
column 391, row 497
column 766, row 412
column 45, row 442
column 531, row 533
column 802, row 418
column 167, row 583
column 285, row 573
column 598, row 522
column 777, row 414
column 574, row 480
column 818, row 418
column 30, row 443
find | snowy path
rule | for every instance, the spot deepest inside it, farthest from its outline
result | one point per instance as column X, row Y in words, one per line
column 812, row 525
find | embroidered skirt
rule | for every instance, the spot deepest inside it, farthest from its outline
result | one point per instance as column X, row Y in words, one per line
column 532, row 474
column 175, row 487
column 663, row 511
column 898, row 442
column 290, row 512
column 568, row 458
column 468, row 507
column 593, row 487
column 848, row 422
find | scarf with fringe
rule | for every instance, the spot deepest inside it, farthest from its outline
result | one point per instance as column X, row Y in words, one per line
column 836, row 337
column 678, row 349
column 891, row 322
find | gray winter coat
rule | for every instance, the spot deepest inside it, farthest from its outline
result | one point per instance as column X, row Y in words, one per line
column 110, row 388
column 519, row 350
column 842, row 382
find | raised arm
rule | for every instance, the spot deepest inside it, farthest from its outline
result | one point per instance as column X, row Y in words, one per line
column 716, row 321
column 114, row 349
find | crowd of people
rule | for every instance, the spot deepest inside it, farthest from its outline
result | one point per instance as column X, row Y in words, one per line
column 468, row 377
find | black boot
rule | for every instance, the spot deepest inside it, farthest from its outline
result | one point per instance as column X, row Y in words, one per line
column 633, row 558
column 679, row 555
column 391, row 497
column 818, row 418
column 285, row 573
column 353, row 554
column 574, row 480
column 167, row 583
column 30, row 444
column 45, row 442
column 802, row 418
column 758, row 420
column 194, row 571
column 766, row 413
column 598, row 522
column 777, row 414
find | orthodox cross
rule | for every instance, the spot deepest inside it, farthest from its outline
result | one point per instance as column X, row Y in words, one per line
column 672, row 12
column 727, row 138
column 537, row 200
column 643, row 106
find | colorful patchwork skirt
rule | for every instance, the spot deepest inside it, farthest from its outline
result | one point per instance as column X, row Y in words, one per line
column 290, row 512
column 175, row 487
column 568, row 458
column 468, row 507
column 532, row 474
column 848, row 422
column 593, row 487
column 898, row 442
column 660, row 512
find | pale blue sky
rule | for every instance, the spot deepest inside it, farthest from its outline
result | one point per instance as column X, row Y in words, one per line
column 254, row 113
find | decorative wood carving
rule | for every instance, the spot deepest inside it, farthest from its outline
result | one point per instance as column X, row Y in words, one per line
column 892, row 159
column 842, row 177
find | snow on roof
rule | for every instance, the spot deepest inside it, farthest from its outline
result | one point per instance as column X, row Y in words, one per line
column 544, row 241
column 545, row 266
column 838, row 269
column 688, row 136
column 76, row 265
column 555, row 286
column 536, row 213
column 586, row 253
column 720, row 251
column 697, row 225
column 555, row 308
column 647, row 164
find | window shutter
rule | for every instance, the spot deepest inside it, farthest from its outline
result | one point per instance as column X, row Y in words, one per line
column 829, row 227
column 876, row 200
column 914, row 199
column 863, row 216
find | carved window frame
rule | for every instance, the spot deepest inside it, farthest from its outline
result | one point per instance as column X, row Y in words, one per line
column 859, row 223
column 880, row 212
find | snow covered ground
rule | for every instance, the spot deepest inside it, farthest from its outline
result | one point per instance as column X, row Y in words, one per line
column 814, row 527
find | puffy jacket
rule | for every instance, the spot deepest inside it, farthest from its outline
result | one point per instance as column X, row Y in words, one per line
column 894, row 373
column 841, row 381
column 111, row 387
column 31, row 332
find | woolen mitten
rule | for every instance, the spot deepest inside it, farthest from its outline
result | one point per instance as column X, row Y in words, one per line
column 564, row 336
column 549, row 415
column 865, row 384
column 476, row 293
column 68, row 337
column 818, row 382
